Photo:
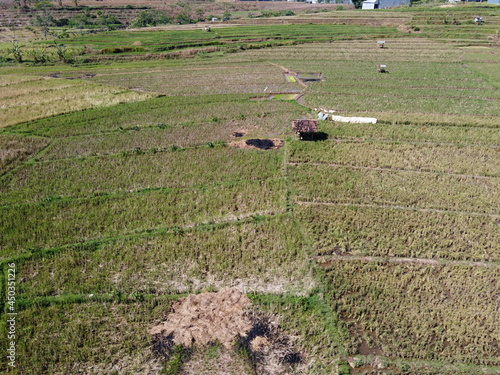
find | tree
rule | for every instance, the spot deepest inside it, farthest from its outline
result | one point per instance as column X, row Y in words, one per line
column 200, row 13
column 63, row 53
column 149, row 18
column 357, row 3
column 16, row 51
column 45, row 20
column 184, row 18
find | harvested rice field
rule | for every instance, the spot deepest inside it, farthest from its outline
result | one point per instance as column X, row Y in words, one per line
column 155, row 179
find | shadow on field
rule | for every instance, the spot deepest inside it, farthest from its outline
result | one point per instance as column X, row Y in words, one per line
column 263, row 144
column 314, row 137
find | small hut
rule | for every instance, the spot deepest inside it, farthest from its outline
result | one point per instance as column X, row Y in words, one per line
column 305, row 129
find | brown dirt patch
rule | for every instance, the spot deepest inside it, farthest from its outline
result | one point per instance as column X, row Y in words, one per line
column 258, row 144
column 200, row 319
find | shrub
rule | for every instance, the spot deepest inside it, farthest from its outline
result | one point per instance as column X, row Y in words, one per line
column 149, row 18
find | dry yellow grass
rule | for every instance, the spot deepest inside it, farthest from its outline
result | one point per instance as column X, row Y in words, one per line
column 25, row 101
column 207, row 317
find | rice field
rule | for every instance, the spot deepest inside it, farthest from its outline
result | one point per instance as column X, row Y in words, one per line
column 196, row 260
column 29, row 99
column 433, row 313
column 131, row 180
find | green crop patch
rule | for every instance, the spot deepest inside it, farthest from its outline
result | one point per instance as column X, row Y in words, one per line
column 232, row 37
column 55, row 222
column 477, row 161
column 265, row 256
column 404, row 104
column 187, row 112
column 423, row 312
column 392, row 232
column 138, row 171
column 413, row 132
column 427, row 190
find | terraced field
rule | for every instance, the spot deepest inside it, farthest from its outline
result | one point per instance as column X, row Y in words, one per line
column 372, row 249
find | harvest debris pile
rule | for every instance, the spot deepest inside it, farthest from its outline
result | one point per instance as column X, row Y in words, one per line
column 200, row 319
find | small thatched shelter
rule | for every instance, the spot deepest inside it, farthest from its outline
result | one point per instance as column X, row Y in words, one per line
column 305, row 128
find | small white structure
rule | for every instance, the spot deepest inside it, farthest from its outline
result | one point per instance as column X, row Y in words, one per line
column 215, row 19
column 370, row 4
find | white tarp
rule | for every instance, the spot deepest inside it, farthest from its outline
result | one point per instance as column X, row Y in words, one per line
column 355, row 120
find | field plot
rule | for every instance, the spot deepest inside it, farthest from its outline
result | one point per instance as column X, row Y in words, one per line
column 217, row 116
column 218, row 78
column 55, row 222
column 256, row 256
column 15, row 149
column 90, row 329
column 397, row 50
column 392, row 232
column 87, row 335
column 414, row 132
column 120, row 174
column 428, row 190
column 33, row 99
column 412, row 311
column 475, row 161
column 13, row 79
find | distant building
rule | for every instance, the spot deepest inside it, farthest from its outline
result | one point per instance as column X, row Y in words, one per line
column 382, row 4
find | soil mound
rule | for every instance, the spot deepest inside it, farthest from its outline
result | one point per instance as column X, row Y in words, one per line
column 200, row 319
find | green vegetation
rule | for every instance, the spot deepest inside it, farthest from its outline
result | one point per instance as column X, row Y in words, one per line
column 397, row 188
column 132, row 174
column 190, row 260
column 57, row 221
column 395, row 232
column 442, row 313
column 476, row 161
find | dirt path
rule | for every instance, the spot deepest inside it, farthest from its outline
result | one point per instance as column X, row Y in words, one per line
column 326, row 261
column 288, row 71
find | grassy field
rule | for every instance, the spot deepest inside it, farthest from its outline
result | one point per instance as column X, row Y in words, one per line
column 28, row 100
column 131, row 178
